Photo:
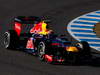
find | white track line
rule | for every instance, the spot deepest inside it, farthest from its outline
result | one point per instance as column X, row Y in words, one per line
column 81, row 28
column 94, row 42
column 88, row 21
column 84, row 33
column 91, row 17
column 82, row 24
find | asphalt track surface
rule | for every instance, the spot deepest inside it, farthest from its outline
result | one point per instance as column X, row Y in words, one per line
column 60, row 12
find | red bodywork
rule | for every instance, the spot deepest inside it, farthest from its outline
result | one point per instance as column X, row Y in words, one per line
column 37, row 28
column 17, row 28
column 48, row 58
column 30, row 44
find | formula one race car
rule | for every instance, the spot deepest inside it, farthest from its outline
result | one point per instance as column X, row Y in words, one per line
column 51, row 48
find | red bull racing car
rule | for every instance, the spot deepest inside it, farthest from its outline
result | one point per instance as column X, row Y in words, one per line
column 48, row 47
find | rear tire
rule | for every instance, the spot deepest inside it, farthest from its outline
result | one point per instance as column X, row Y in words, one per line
column 11, row 39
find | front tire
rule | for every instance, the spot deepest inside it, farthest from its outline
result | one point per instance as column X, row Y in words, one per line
column 85, row 49
column 41, row 50
column 72, row 58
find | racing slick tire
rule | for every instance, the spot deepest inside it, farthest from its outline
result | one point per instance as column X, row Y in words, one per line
column 11, row 39
column 43, row 53
column 72, row 58
column 85, row 49
column 41, row 50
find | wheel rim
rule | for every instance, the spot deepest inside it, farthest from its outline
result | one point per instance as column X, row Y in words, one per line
column 6, row 39
column 79, row 45
column 41, row 50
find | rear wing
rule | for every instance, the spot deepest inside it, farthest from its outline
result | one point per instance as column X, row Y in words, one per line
column 27, row 20
column 23, row 24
